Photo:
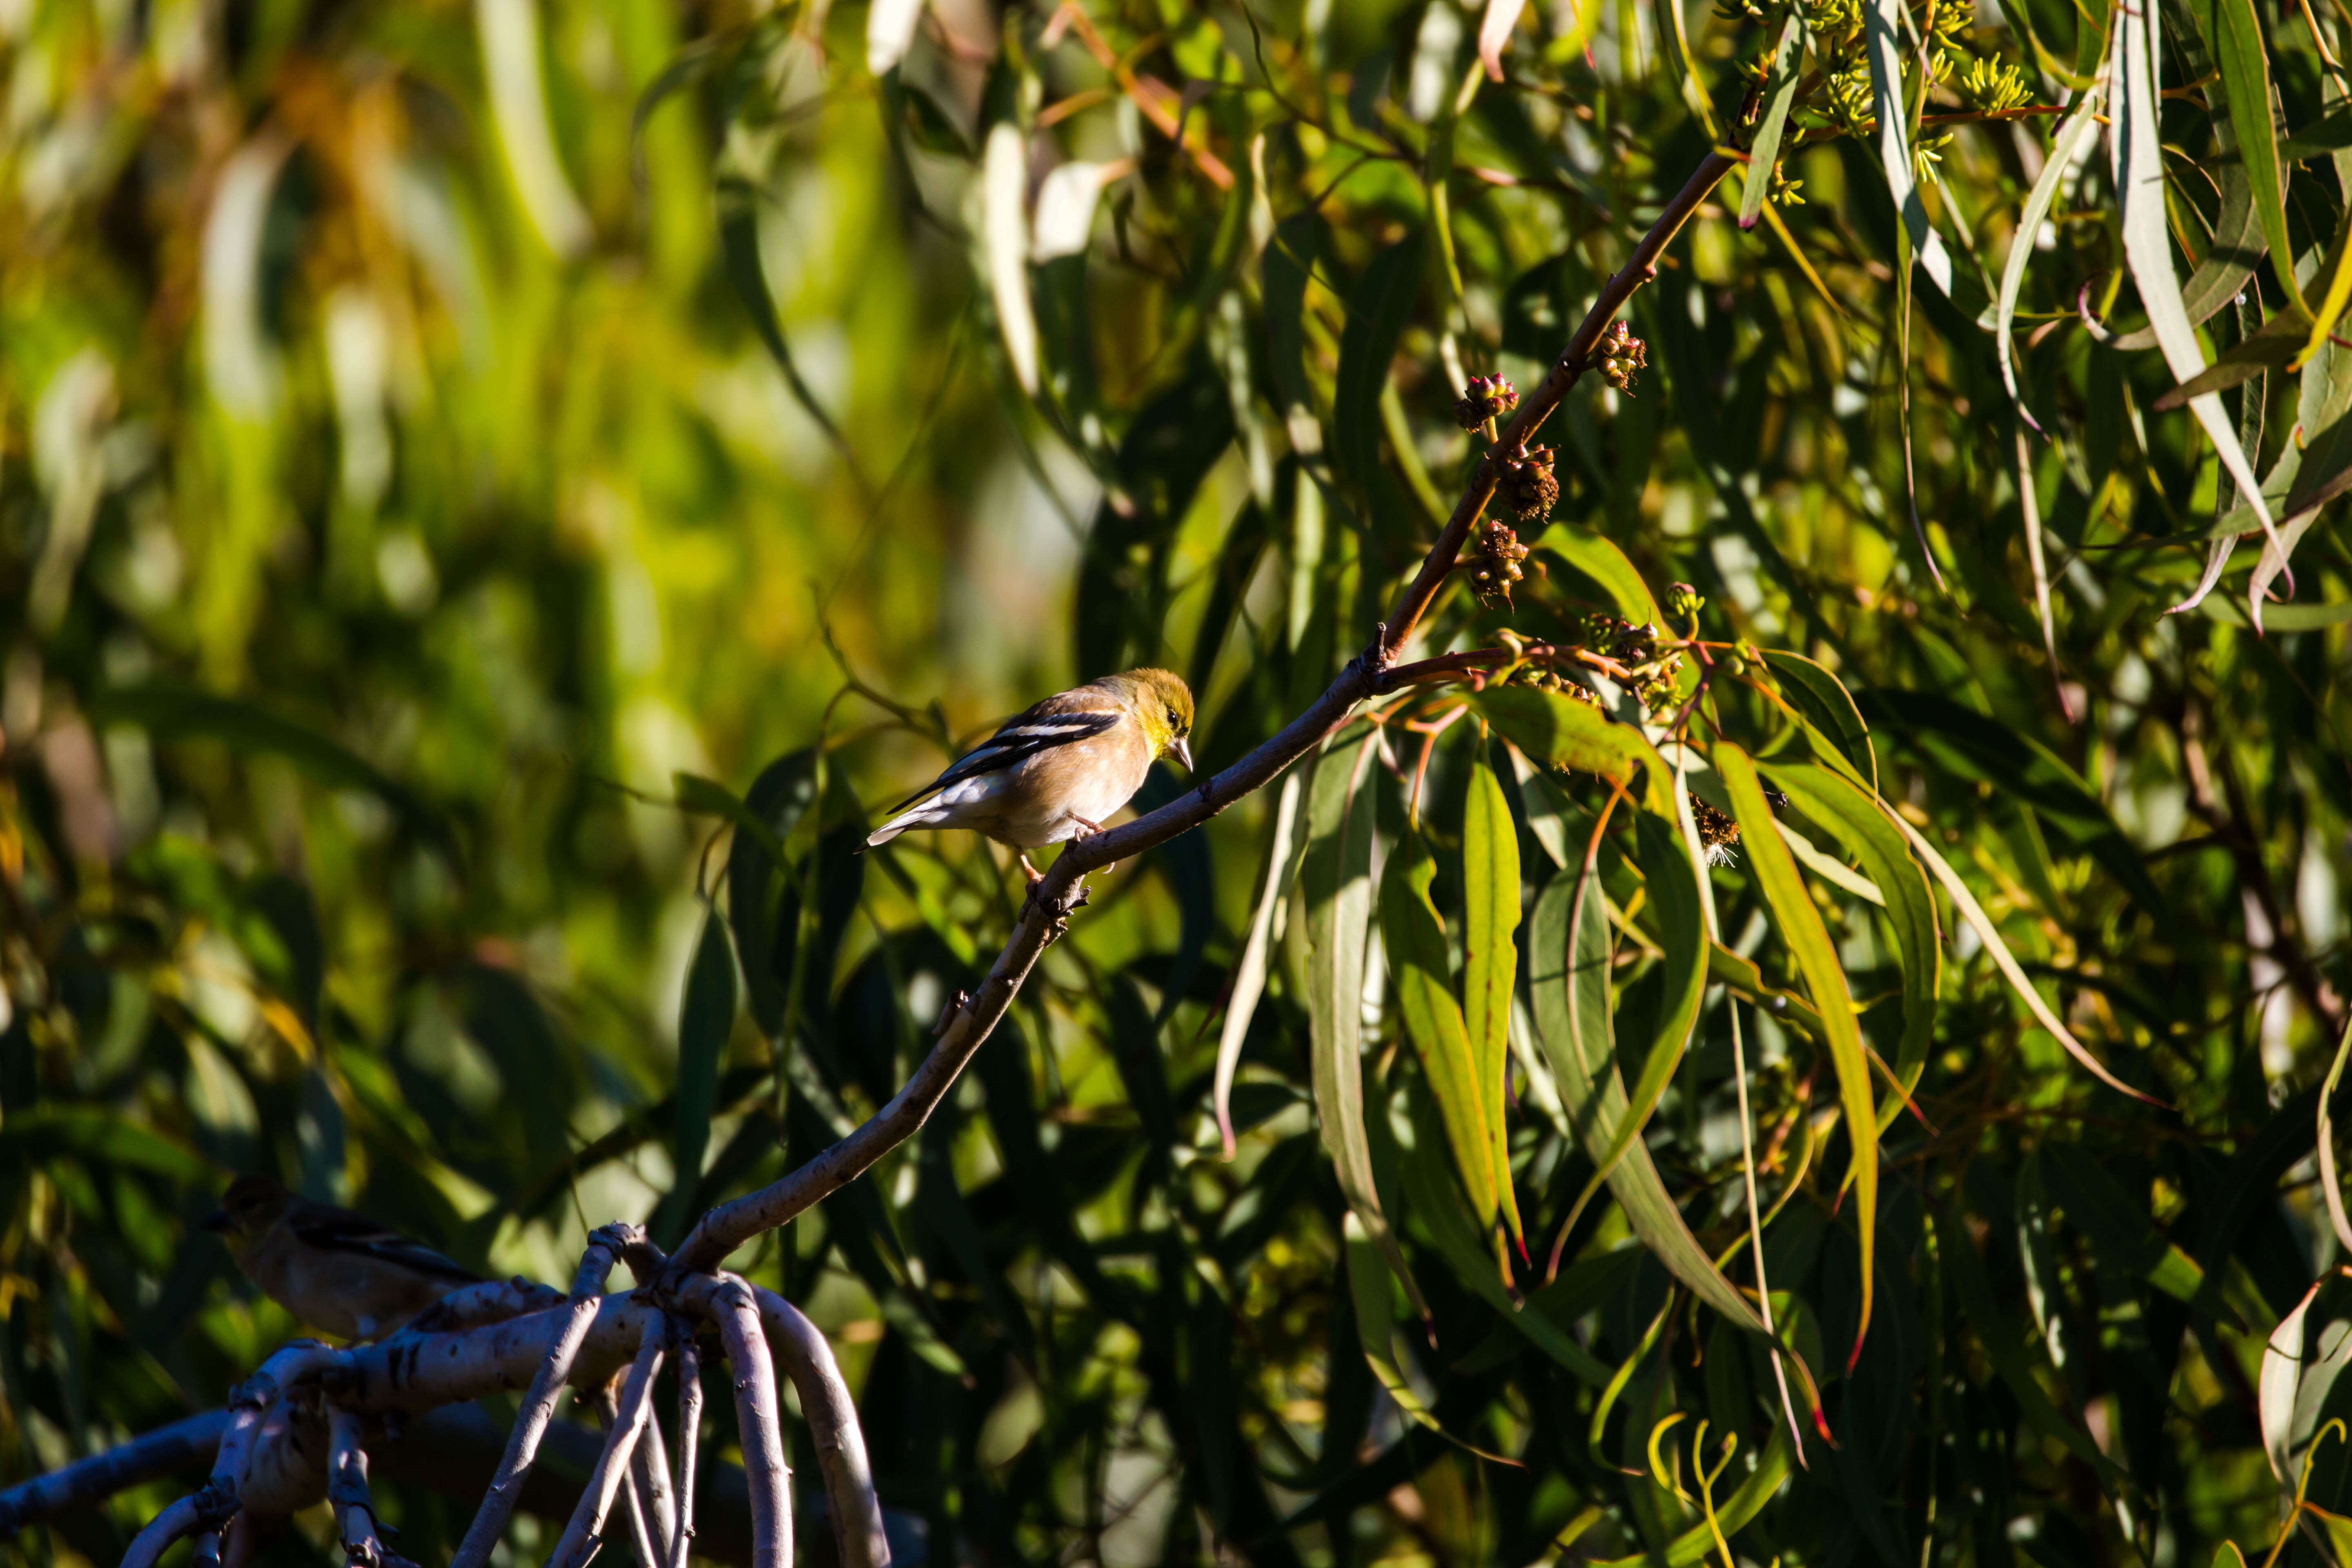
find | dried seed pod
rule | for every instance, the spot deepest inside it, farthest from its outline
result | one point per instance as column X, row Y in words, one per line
column 1528, row 486
column 1717, row 831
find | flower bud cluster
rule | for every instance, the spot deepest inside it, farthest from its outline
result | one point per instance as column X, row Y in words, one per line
column 1622, row 353
column 1487, row 398
column 1497, row 565
column 1635, row 647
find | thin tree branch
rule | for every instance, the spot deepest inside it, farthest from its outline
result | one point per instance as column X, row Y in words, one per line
column 640, row 1536
column 164, row 1451
column 729, row 1303
column 348, row 1495
column 185, row 1517
column 564, row 1342
column 690, row 1433
column 649, row 1484
column 1043, row 916
column 585, row 1532
column 834, row 1430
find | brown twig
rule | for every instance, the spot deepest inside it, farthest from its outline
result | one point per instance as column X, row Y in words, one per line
column 834, row 1431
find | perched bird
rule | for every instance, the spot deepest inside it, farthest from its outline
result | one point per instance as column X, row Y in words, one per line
column 1059, row 769
column 329, row 1267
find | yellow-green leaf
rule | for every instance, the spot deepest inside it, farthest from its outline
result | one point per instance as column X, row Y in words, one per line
column 1416, row 940
column 1490, row 955
column 1775, row 874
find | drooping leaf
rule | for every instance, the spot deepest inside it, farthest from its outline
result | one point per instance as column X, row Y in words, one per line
column 1336, row 877
column 1414, row 938
column 2006, row 961
column 1860, row 824
column 1671, row 883
column 2137, row 159
column 1596, row 558
column 2079, row 124
column 1883, row 22
column 2234, row 36
column 1558, row 731
column 1490, row 958
column 1781, row 81
column 706, row 1018
column 1829, row 707
column 1249, row 975
column 1569, row 980
column 1808, row 940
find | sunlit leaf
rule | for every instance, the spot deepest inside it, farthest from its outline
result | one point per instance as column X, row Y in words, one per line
column 1336, row 880
column 1490, row 958
column 1423, row 978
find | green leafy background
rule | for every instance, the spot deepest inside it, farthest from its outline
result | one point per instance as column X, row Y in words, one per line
column 491, row 495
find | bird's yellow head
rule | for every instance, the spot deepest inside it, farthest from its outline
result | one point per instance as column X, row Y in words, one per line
column 250, row 1207
column 1163, row 705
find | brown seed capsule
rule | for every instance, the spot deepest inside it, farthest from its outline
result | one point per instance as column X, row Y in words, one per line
column 1485, row 397
column 1717, row 831
column 1528, row 486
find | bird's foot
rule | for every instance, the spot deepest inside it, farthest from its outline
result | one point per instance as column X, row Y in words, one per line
column 1034, row 875
column 1088, row 829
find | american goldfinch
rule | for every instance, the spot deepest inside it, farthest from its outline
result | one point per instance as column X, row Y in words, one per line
column 1059, row 769
column 329, row 1267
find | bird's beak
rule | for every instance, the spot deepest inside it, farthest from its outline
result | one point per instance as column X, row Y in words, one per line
column 217, row 1220
column 1183, row 750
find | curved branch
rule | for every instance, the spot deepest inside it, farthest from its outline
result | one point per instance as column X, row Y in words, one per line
column 563, row 1348
column 185, row 1517
column 166, row 1450
column 729, row 1303
column 582, row 1536
column 834, row 1430
column 730, row 1224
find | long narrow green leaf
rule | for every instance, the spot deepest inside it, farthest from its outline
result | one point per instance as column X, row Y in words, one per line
column 1437, row 1204
column 1490, row 957
column 1560, row 732
column 1416, row 940
column 2234, row 34
column 1597, row 557
column 1571, row 986
column 2138, row 157
column 1881, row 22
column 1780, row 92
column 2081, row 125
column 1674, row 899
column 1825, row 703
column 1808, row 943
column 1249, row 975
column 1860, row 825
column 1336, row 878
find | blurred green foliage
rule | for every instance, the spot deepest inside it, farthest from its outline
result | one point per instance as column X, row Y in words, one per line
column 487, row 493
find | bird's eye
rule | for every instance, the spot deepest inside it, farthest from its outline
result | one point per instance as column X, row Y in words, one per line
column 1174, row 722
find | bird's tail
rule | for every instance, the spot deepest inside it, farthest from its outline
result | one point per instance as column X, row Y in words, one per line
column 928, row 814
